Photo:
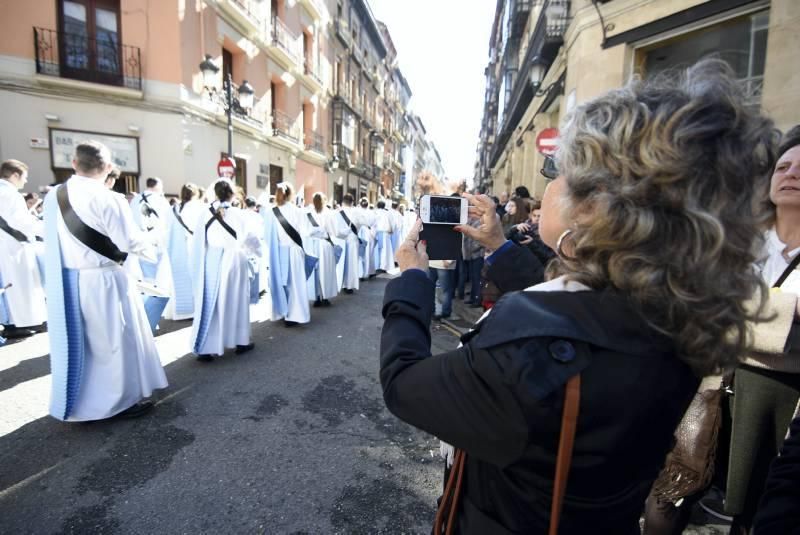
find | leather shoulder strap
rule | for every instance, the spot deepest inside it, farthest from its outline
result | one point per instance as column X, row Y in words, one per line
column 91, row 238
column 312, row 220
column 788, row 271
column 569, row 424
column 290, row 230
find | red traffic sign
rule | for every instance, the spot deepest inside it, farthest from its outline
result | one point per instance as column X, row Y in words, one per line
column 547, row 141
column 226, row 167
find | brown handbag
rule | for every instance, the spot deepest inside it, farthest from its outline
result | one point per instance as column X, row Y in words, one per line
column 690, row 465
column 446, row 513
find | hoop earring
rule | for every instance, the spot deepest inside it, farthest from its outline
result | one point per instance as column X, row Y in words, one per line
column 560, row 244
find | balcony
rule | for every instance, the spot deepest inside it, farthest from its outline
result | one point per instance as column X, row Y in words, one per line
column 314, row 142
column 76, row 57
column 520, row 9
column 312, row 75
column 283, row 128
column 313, row 7
column 284, row 46
column 343, row 32
column 246, row 13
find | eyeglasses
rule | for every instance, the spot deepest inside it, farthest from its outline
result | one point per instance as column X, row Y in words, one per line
column 549, row 170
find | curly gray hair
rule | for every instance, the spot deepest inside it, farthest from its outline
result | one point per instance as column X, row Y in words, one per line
column 663, row 178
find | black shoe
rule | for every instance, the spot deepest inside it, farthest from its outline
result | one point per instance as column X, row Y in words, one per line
column 12, row 331
column 372, row 276
column 475, row 305
column 140, row 409
column 40, row 328
column 287, row 323
column 326, row 303
column 205, row 358
column 244, row 349
column 380, row 272
column 317, row 303
column 349, row 291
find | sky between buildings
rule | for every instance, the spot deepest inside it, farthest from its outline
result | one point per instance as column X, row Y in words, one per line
column 442, row 50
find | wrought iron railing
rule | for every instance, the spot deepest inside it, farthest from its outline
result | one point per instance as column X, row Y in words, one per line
column 315, row 142
column 249, row 8
column 312, row 69
column 282, row 126
column 102, row 60
column 284, row 39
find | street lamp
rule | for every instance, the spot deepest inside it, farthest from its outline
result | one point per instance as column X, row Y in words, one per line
column 242, row 103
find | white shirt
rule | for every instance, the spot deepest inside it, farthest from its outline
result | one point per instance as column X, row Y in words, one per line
column 774, row 263
column 15, row 211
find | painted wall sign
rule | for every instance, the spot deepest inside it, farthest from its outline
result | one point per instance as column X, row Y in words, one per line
column 124, row 149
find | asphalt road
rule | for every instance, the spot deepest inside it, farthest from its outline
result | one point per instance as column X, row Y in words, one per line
column 290, row 438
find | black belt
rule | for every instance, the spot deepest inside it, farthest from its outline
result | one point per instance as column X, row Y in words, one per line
column 94, row 240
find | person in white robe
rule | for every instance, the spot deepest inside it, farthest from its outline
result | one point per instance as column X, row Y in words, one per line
column 397, row 226
column 321, row 230
column 103, row 357
column 290, row 263
column 23, row 302
column 367, row 234
column 348, row 222
column 258, row 264
column 183, row 218
column 384, row 229
column 153, row 214
column 223, row 241
column 409, row 219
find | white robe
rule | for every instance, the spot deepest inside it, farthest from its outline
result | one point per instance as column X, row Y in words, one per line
column 350, row 262
column 190, row 213
column 297, row 296
column 325, row 283
column 229, row 320
column 158, row 227
column 367, row 233
column 18, row 265
column 121, row 364
column 255, row 224
column 384, row 230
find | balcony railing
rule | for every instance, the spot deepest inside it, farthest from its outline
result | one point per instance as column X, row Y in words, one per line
column 343, row 32
column 249, row 8
column 76, row 56
column 283, row 38
column 315, row 142
column 312, row 68
column 282, row 126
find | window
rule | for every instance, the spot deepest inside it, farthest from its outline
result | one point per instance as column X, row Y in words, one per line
column 90, row 43
column 741, row 42
column 227, row 65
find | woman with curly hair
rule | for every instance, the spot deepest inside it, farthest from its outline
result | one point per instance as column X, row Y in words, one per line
column 656, row 232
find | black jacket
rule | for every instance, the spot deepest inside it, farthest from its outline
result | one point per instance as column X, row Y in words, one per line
column 779, row 512
column 500, row 398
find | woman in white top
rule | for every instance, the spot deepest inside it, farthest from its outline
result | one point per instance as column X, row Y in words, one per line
column 767, row 386
column 321, row 229
column 222, row 243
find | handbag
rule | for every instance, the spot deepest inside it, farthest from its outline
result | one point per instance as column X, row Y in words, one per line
column 690, row 465
column 445, row 521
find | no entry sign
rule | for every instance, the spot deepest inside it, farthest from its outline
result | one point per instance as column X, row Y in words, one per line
column 226, row 167
column 546, row 141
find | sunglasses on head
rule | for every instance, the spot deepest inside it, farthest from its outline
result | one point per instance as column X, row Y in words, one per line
column 549, row 170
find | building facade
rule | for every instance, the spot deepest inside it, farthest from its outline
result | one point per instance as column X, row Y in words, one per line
column 312, row 89
column 546, row 56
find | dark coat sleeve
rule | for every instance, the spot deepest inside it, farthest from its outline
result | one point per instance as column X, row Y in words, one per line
column 515, row 269
column 779, row 511
column 459, row 396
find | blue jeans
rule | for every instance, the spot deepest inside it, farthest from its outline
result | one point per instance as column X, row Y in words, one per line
column 447, row 279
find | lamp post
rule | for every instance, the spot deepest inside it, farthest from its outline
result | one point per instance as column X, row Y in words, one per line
column 242, row 103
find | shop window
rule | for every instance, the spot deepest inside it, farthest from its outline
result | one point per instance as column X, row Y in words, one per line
column 741, row 42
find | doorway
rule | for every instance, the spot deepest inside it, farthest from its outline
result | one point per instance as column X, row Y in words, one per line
column 275, row 177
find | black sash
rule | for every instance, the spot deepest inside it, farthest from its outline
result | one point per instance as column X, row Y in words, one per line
column 351, row 225
column 16, row 234
column 287, row 227
column 94, row 240
column 180, row 220
column 218, row 218
column 148, row 210
column 315, row 224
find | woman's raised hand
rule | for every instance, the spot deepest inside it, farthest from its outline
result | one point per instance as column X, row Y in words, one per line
column 489, row 233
